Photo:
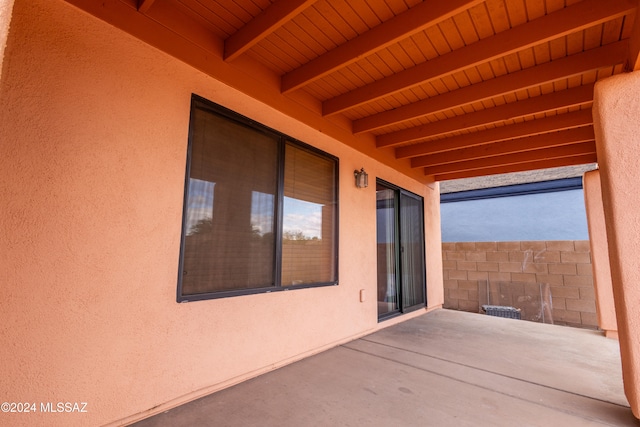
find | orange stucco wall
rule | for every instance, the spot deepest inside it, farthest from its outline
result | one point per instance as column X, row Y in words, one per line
column 616, row 110
column 435, row 293
column 93, row 129
column 598, row 243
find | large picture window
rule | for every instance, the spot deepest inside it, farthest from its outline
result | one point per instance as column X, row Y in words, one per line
column 260, row 210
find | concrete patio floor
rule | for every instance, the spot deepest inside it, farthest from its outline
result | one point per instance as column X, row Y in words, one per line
column 445, row 368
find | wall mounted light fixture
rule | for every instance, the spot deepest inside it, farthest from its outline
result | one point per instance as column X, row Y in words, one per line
column 362, row 178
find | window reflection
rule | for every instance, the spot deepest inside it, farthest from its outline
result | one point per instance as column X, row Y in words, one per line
column 302, row 220
column 229, row 245
column 199, row 206
column 386, row 243
column 262, row 213
column 308, row 218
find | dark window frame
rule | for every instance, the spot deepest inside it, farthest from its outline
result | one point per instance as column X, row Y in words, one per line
column 202, row 103
column 398, row 193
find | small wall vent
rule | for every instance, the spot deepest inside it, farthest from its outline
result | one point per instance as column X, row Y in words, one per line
column 502, row 311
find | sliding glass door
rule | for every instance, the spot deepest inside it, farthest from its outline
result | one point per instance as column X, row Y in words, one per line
column 412, row 250
column 400, row 240
column 386, row 208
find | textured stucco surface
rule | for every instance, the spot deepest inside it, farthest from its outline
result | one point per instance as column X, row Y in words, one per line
column 433, row 231
column 616, row 110
column 93, row 131
column 599, row 253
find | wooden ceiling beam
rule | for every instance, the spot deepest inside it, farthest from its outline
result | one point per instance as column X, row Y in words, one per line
column 520, row 130
column 511, row 159
column 582, row 159
column 419, row 17
column 262, row 25
column 633, row 62
column 511, row 146
column 549, row 27
column 578, row 96
column 164, row 26
column 145, row 5
column 593, row 59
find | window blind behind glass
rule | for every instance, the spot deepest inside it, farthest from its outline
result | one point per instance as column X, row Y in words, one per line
column 308, row 218
column 230, row 209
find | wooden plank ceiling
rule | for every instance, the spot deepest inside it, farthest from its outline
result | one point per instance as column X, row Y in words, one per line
column 458, row 88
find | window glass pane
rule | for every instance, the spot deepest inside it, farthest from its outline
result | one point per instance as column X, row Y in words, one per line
column 308, row 218
column 386, row 243
column 230, row 222
column 412, row 251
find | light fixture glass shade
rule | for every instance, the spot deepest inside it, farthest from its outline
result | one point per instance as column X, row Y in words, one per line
column 362, row 178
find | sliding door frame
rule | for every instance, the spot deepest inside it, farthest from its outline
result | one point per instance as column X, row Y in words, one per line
column 401, row 274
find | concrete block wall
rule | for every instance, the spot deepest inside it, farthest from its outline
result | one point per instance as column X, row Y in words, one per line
column 561, row 270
